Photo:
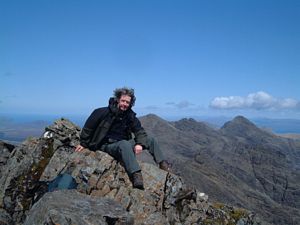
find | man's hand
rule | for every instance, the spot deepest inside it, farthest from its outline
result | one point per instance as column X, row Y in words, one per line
column 138, row 149
column 79, row 148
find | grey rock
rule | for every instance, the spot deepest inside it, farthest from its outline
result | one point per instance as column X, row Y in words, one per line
column 71, row 207
column 5, row 218
column 5, row 150
column 20, row 168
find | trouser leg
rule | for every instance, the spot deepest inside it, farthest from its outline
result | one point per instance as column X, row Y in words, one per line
column 123, row 150
column 154, row 150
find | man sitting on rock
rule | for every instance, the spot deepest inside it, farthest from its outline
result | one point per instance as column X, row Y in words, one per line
column 110, row 129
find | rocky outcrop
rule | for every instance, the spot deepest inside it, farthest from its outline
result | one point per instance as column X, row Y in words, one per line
column 71, row 207
column 5, row 150
column 104, row 193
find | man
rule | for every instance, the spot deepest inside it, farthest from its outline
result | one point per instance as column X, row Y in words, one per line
column 110, row 129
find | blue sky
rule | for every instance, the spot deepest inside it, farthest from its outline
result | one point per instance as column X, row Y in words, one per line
column 183, row 58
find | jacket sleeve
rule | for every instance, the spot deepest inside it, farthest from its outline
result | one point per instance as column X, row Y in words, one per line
column 89, row 127
column 140, row 134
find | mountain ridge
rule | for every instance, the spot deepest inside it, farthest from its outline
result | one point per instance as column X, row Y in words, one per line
column 263, row 165
column 15, row 128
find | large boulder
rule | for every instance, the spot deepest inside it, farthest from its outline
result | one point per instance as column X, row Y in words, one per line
column 71, row 207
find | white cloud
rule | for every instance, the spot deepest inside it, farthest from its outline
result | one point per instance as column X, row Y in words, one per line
column 259, row 100
column 289, row 103
column 180, row 105
column 151, row 107
column 170, row 103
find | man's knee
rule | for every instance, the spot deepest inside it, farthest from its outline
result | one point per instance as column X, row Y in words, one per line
column 125, row 145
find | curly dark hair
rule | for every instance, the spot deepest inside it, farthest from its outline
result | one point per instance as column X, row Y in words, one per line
column 118, row 92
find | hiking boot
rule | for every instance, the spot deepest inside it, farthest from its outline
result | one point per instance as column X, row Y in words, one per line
column 164, row 165
column 137, row 180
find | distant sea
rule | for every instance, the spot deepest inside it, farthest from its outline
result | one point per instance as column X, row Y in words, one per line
column 280, row 126
column 17, row 127
column 28, row 118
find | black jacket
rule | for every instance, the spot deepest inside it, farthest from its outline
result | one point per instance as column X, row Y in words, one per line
column 99, row 122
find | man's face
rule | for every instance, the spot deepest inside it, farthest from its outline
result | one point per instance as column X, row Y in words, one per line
column 124, row 102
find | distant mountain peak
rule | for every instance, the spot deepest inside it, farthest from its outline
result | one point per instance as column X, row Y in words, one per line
column 242, row 127
column 152, row 120
column 239, row 121
column 188, row 120
column 151, row 116
column 190, row 124
column 242, row 119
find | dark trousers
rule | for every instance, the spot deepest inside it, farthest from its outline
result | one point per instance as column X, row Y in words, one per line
column 124, row 151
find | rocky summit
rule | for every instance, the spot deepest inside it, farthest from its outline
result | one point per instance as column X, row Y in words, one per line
column 103, row 193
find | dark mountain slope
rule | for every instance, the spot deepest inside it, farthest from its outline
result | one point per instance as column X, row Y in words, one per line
column 239, row 163
column 242, row 130
column 191, row 153
column 194, row 126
